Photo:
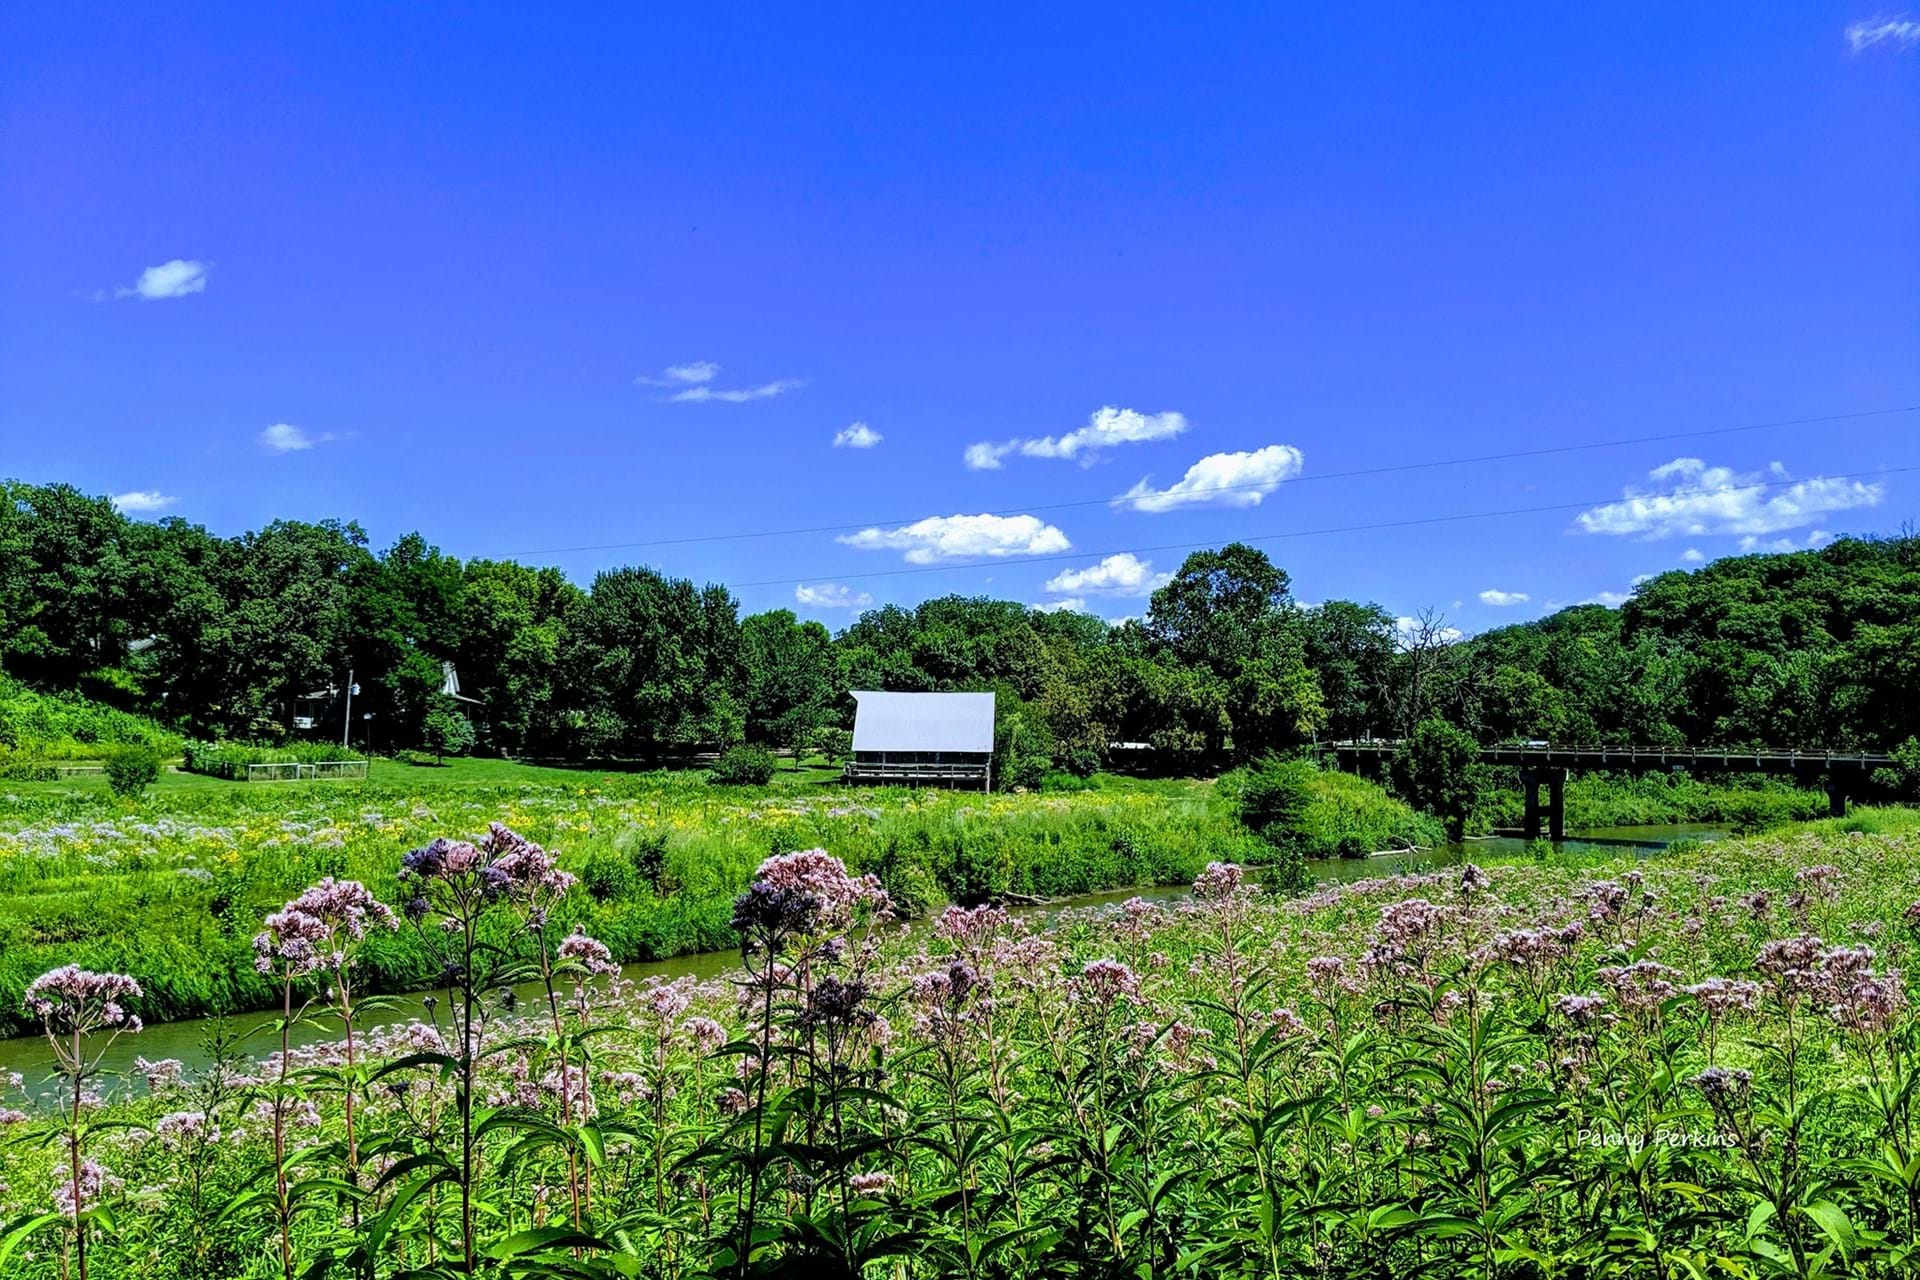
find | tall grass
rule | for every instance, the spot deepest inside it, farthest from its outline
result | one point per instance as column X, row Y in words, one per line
column 170, row 889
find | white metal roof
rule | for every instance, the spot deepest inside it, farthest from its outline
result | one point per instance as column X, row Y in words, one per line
column 923, row 721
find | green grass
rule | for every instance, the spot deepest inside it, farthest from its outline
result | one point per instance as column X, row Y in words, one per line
column 171, row 887
column 1605, row 800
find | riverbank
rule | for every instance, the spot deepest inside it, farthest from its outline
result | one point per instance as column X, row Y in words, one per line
column 171, row 888
column 1605, row 800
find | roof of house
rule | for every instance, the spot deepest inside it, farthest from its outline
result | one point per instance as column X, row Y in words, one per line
column 923, row 721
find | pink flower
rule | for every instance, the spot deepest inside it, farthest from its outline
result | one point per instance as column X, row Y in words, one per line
column 706, row 1034
column 590, row 954
column 1219, row 882
column 870, row 1184
column 71, row 999
column 1582, row 1010
column 93, row 1183
column 1104, row 982
column 970, row 926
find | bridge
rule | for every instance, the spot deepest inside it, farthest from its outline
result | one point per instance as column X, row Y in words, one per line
column 1545, row 765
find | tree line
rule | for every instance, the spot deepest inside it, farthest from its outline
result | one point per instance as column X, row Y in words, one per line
column 226, row 636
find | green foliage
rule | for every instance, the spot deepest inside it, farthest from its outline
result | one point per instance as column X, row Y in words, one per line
column 1357, row 1084
column 745, row 766
column 231, row 638
column 198, row 868
column 229, row 760
column 46, row 726
column 446, row 732
column 1438, row 770
column 131, row 770
column 1605, row 800
column 1312, row 813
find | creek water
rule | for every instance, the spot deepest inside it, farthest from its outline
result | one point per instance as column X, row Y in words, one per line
column 185, row 1040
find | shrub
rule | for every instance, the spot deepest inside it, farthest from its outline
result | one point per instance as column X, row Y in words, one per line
column 16, row 768
column 230, row 759
column 447, row 733
column 608, row 877
column 1438, row 770
column 1298, row 808
column 131, row 770
column 748, row 766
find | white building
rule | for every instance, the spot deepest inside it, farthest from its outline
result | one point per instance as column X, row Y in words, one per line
column 923, row 737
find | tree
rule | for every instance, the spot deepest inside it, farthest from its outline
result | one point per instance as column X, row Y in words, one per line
column 446, row 733
column 787, row 670
column 1220, row 608
column 654, row 655
column 1438, row 769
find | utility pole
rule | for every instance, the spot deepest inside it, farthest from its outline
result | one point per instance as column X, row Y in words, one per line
column 346, row 716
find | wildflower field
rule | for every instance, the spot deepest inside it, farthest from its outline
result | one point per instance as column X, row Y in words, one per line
column 171, row 888
column 1697, row 1065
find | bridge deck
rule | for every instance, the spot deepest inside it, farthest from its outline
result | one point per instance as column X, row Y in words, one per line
column 1553, row 755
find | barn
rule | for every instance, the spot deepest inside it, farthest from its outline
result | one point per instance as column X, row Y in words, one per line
column 943, row 738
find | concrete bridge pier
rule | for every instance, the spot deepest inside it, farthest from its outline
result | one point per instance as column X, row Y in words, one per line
column 1837, row 796
column 1555, row 809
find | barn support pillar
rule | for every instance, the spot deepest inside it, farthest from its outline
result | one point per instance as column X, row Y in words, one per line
column 1555, row 808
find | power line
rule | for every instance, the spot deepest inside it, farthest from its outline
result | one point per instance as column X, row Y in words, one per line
column 1356, row 473
column 1295, row 533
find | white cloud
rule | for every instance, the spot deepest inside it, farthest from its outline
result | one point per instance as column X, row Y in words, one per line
column 1124, row 574
column 1900, row 31
column 284, row 437
column 143, row 500
column 1501, row 599
column 1694, row 499
column 1105, row 428
column 831, row 595
column 1639, row 578
column 1612, row 599
column 175, row 279
column 1817, row 538
column 1227, row 479
column 953, row 537
column 857, row 436
column 986, row 457
column 1072, row 604
column 1693, row 555
column 680, row 375
column 690, row 383
column 738, row 395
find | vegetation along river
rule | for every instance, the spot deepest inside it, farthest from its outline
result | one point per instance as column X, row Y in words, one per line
column 186, row 1040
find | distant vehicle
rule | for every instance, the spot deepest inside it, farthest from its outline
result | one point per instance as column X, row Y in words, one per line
column 1536, row 742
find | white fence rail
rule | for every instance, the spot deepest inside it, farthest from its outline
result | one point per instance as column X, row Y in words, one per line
column 295, row 772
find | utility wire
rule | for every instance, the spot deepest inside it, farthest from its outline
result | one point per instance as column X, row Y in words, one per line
column 1296, row 533
column 1391, row 469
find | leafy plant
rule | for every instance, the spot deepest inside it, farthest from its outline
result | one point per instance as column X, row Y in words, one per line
column 744, row 766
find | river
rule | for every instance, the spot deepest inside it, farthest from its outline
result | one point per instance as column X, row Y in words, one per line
column 30, row 1056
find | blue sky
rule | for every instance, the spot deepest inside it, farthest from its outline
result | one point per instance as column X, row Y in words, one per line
column 525, row 280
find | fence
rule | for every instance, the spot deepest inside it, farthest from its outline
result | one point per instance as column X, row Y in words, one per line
column 292, row 771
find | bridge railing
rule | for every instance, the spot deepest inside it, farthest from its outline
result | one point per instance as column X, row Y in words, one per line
column 1637, row 751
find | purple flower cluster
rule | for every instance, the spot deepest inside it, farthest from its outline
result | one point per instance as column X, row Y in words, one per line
column 71, row 999
column 589, row 954
column 971, row 926
column 1220, row 882
column 1641, row 987
column 502, row 866
column 1103, row 982
column 1401, row 941
column 802, row 893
